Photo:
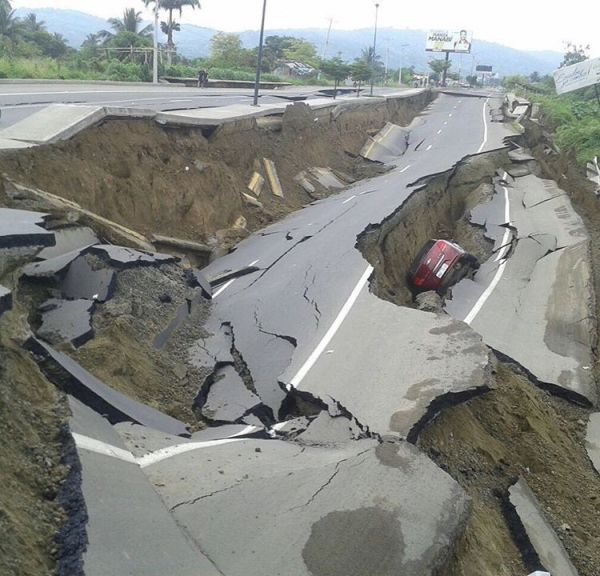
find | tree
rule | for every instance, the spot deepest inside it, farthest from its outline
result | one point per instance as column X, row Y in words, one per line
column 170, row 26
column 360, row 71
column 9, row 25
column 273, row 50
column 439, row 67
column 226, row 51
column 335, row 69
column 301, row 51
column 129, row 23
column 30, row 24
column 574, row 53
column 472, row 80
column 534, row 77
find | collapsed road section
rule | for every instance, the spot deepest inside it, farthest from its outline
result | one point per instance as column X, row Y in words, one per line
column 288, row 409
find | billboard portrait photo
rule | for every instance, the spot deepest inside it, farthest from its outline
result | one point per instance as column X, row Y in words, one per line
column 449, row 41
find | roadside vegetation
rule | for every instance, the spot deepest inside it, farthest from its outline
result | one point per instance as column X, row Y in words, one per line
column 123, row 51
column 574, row 117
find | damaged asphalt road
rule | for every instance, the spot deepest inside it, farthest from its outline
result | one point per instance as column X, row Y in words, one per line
column 285, row 315
column 533, row 300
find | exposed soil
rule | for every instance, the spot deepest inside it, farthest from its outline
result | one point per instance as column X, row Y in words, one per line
column 32, row 416
column 518, row 430
column 185, row 183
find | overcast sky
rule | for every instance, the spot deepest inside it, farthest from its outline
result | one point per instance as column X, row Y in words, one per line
column 529, row 24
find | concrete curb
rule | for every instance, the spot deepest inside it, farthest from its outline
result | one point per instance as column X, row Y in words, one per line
column 63, row 121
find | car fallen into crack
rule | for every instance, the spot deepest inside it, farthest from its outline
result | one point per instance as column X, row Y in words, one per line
column 440, row 264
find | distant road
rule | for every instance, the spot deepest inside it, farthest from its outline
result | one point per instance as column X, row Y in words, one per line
column 18, row 101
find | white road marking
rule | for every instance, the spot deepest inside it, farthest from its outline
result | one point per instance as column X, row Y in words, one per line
column 439, row 131
column 445, row 122
column 405, row 169
column 230, row 282
column 93, row 445
column 348, row 199
column 99, row 447
column 429, row 148
column 500, row 271
column 485, row 129
column 295, row 381
column 450, row 115
column 224, row 287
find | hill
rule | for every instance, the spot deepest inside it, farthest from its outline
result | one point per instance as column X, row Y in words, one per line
column 194, row 41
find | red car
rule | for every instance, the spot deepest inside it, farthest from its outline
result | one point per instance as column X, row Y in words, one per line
column 439, row 264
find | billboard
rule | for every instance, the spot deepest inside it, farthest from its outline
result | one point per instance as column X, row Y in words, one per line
column 483, row 68
column 580, row 75
column 449, row 41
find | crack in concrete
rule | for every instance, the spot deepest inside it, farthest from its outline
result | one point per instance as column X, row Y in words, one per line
column 193, row 501
column 290, row 339
column 328, row 482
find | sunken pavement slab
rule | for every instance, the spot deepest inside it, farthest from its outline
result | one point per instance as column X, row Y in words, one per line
column 392, row 383
column 592, row 440
column 75, row 380
column 551, row 553
column 5, row 300
column 66, row 321
column 129, row 530
column 260, row 507
column 533, row 300
column 23, row 228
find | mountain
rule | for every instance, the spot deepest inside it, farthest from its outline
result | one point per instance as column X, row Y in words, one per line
column 194, row 41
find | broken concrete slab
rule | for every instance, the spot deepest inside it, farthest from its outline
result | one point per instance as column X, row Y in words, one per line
column 82, row 281
column 75, row 380
column 538, row 190
column 387, row 145
column 518, row 171
column 592, row 440
column 301, row 178
column 123, row 257
column 227, row 399
column 251, row 201
column 128, row 528
column 548, row 547
column 22, row 228
column 196, row 278
column 326, row 430
column 230, row 274
column 50, row 267
column 273, row 178
column 291, row 428
column 8, row 144
column 392, row 384
column 5, row 300
column 66, row 321
column 69, row 240
column 256, row 183
column 362, row 508
column 326, row 178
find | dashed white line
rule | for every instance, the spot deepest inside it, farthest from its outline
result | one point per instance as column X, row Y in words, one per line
column 485, row 127
column 230, row 282
column 295, row 381
column 500, row 271
column 348, row 199
column 429, row 148
column 405, row 169
column 445, row 122
column 439, row 131
column 450, row 115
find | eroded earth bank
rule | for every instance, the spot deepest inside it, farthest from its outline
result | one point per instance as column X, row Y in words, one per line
column 165, row 410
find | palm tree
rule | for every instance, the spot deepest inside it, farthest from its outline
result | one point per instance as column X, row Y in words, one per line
column 9, row 25
column 129, row 23
column 171, row 25
column 31, row 24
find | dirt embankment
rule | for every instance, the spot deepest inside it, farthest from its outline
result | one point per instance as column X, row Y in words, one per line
column 187, row 183
column 440, row 209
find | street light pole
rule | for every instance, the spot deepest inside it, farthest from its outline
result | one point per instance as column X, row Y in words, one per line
column 155, row 57
column 260, row 53
column 374, row 48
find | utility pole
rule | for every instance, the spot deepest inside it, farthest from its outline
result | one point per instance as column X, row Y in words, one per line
column 260, row 53
column 374, row 49
column 155, row 56
column 445, row 68
column 327, row 39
